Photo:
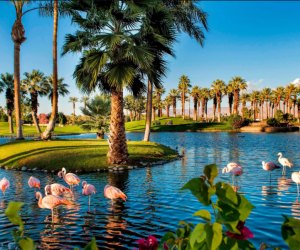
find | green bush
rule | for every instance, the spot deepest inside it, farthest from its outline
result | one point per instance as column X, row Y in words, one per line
column 273, row 122
column 236, row 121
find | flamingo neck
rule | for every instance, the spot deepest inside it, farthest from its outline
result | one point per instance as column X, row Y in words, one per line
column 40, row 202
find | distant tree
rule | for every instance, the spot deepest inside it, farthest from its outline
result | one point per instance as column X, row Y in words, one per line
column 62, row 88
column 204, row 96
column 167, row 103
column 7, row 85
column 73, row 100
column 195, row 94
column 43, row 118
column 97, row 112
column 219, row 88
column 237, row 84
column 84, row 99
column 174, row 95
column 183, row 87
column 266, row 93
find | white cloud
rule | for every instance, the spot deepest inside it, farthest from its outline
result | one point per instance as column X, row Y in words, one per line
column 254, row 85
column 296, row 81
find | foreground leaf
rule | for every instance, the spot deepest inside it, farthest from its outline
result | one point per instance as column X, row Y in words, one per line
column 204, row 214
column 12, row 212
column 213, row 235
column 92, row 245
column 290, row 231
column 26, row 244
column 211, row 172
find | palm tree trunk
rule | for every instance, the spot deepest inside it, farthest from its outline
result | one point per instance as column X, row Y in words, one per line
column 10, row 123
column 148, row 111
column 153, row 114
column 168, row 111
column 267, row 109
column 183, row 105
column 130, row 115
column 118, row 153
column 206, row 111
column 190, row 107
column 35, row 121
column 219, row 109
column 17, row 47
column 174, row 108
column 195, row 109
column 203, row 107
column 298, row 112
column 199, row 106
column 235, row 102
column 262, row 111
column 51, row 125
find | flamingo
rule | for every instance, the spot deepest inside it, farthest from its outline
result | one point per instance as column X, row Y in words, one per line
column 112, row 193
column 70, row 178
column 50, row 201
column 4, row 184
column 296, row 179
column 284, row 162
column 56, row 189
column 233, row 168
column 269, row 166
column 88, row 190
column 34, row 182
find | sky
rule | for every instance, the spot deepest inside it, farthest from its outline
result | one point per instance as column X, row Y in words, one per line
column 258, row 40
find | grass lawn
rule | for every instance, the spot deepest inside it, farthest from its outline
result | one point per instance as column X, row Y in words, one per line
column 179, row 125
column 31, row 130
column 84, row 155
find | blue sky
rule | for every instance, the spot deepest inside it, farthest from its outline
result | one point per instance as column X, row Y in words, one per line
column 257, row 40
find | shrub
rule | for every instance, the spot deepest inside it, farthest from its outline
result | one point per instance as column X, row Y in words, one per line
column 43, row 118
column 273, row 122
column 235, row 121
column 61, row 118
column 3, row 116
column 156, row 123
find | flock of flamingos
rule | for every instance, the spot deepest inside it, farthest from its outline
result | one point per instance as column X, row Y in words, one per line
column 54, row 193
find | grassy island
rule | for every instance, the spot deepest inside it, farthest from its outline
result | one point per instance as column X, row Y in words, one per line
column 83, row 155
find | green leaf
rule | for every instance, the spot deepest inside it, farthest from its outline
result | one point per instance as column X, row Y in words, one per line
column 229, row 244
column 204, row 214
column 12, row 212
column 244, row 207
column 198, row 235
column 229, row 216
column 26, row 244
column 92, row 245
column 200, row 190
column 211, row 172
column 290, row 231
column 226, row 194
column 245, row 245
column 213, row 235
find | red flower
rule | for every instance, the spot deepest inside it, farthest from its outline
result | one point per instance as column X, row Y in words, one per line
column 150, row 243
column 245, row 232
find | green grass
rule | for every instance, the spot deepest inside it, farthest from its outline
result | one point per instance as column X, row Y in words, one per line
column 179, row 125
column 31, row 130
column 86, row 155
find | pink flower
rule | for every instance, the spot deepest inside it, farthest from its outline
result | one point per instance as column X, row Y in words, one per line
column 245, row 232
column 150, row 243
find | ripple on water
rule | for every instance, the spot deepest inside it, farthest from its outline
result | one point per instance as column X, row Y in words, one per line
column 155, row 204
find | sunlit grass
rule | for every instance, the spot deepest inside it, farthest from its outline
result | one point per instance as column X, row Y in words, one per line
column 179, row 125
column 75, row 154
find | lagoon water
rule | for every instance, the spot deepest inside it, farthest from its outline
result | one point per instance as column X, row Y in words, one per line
column 155, row 205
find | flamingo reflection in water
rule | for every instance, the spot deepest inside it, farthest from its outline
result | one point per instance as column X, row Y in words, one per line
column 283, row 183
column 295, row 209
column 4, row 185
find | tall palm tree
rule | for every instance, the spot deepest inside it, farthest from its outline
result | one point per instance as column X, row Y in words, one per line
column 167, row 103
column 261, row 99
column 183, row 87
column 279, row 93
column 35, row 85
column 229, row 92
column 213, row 96
column 158, row 92
column 7, row 85
column 195, row 94
column 73, row 100
column 62, row 88
column 254, row 98
column 219, row 88
column 54, row 101
column 174, row 95
column 18, row 37
column 113, row 57
column 84, row 99
column 290, row 90
column 237, row 84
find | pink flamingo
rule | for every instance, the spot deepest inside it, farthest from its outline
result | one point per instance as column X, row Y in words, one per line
column 4, row 184
column 50, row 201
column 112, row 193
column 70, row 178
column 296, row 179
column 284, row 162
column 269, row 166
column 233, row 168
column 88, row 190
column 34, row 182
column 56, row 189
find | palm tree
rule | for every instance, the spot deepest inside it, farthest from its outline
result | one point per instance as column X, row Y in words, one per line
column 279, row 94
column 167, row 103
column 183, row 87
column 244, row 99
column 73, row 100
column 229, row 91
column 254, row 97
column 213, row 96
column 290, row 90
column 7, row 85
column 237, row 84
column 35, row 85
column 204, row 96
column 97, row 112
column 62, row 88
column 158, row 92
column 54, row 100
column 18, row 37
column 84, row 99
column 174, row 95
column 195, row 94
column 113, row 58
column 219, row 88
column 266, row 92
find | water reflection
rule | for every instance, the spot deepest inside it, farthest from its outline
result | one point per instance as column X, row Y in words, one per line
column 295, row 209
column 269, row 190
column 283, row 183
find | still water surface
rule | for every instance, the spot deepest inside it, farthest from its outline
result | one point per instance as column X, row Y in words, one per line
column 155, row 204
